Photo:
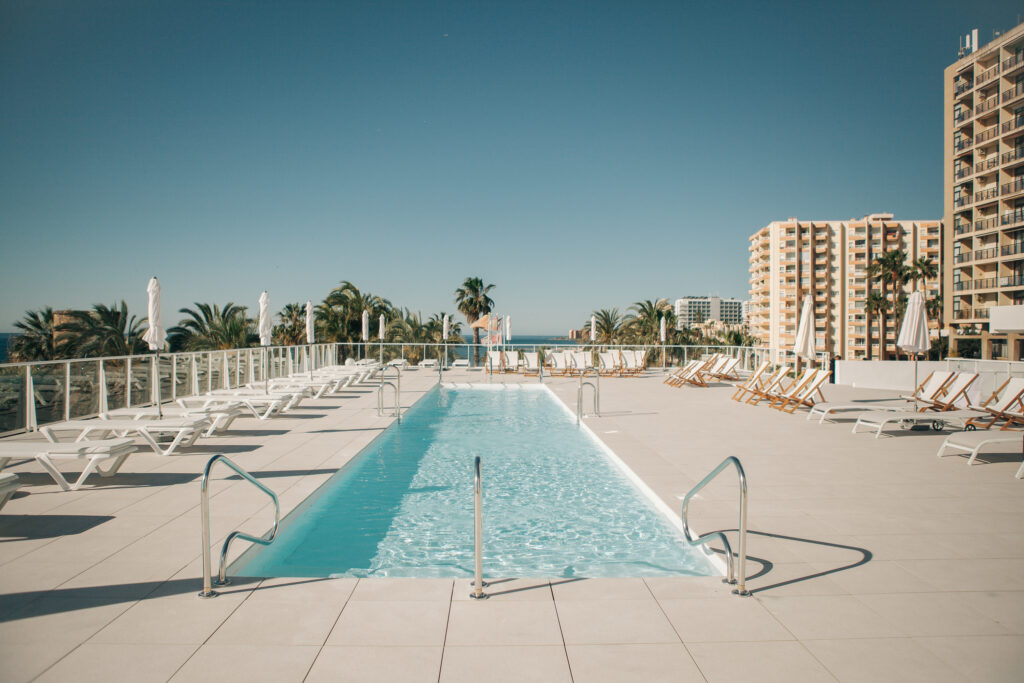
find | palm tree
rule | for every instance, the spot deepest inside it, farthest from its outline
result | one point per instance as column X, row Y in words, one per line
column 923, row 269
column 645, row 322
column 37, row 340
column 609, row 326
column 875, row 306
column 341, row 312
column 103, row 331
column 890, row 268
column 292, row 329
column 933, row 307
column 472, row 301
column 213, row 328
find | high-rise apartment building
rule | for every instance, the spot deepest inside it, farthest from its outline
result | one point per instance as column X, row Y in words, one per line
column 694, row 310
column 828, row 260
column 983, row 202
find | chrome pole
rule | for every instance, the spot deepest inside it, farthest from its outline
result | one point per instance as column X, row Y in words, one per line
column 204, row 503
column 478, row 583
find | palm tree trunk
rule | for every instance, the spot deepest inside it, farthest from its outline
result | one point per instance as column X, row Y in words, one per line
column 476, row 346
column 867, row 329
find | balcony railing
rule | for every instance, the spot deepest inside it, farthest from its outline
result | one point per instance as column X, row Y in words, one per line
column 1014, row 187
column 963, row 286
column 962, row 201
column 1012, row 281
column 986, row 194
column 986, row 134
column 986, row 224
column 1013, row 62
column 1013, row 93
column 988, row 105
column 963, row 172
column 1012, row 125
column 1011, row 249
column 962, row 86
column 1016, row 154
column 986, row 75
column 1012, row 218
column 991, row 252
column 986, row 164
column 962, row 229
column 984, row 283
column 965, row 257
column 962, row 144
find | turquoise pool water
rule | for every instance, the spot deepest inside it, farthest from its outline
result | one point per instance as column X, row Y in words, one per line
column 555, row 503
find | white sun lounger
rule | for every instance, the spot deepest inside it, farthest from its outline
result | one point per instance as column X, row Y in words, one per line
column 973, row 442
column 258, row 396
column 94, row 452
column 8, row 485
column 221, row 415
column 881, row 419
column 185, row 430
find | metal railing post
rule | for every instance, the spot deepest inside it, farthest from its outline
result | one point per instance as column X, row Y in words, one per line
column 741, row 588
column 67, row 390
column 478, row 534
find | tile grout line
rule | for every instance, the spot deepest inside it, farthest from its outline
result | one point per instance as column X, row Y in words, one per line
column 561, row 633
column 447, row 623
column 674, row 629
column 348, row 599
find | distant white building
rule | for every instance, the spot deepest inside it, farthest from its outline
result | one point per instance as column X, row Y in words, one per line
column 694, row 310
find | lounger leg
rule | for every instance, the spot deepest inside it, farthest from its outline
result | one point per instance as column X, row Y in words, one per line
column 52, row 470
column 942, row 448
column 114, row 466
column 974, row 455
column 1020, row 472
column 148, row 438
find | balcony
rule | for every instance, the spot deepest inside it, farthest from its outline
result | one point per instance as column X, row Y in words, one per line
column 986, row 164
column 986, row 106
column 1013, row 93
column 987, row 194
column 1011, row 249
column 986, row 75
column 960, row 87
column 1015, row 155
column 986, row 135
column 963, row 172
column 965, row 257
column 962, row 201
column 985, row 283
column 962, row 229
column 964, row 286
column 1012, row 125
column 991, row 252
column 1013, row 188
column 986, row 224
column 1012, row 281
column 961, row 116
column 1011, row 218
column 963, row 144
column 1013, row 63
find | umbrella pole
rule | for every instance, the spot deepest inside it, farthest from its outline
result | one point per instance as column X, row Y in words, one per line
column 156, row 378
column 266, row 370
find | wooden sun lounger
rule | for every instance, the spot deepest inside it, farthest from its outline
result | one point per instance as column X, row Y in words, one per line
column 94, row 452
column 927, row 392
column 773, row 385
column 756, row 378
column 805, row 395
column 1006, row 403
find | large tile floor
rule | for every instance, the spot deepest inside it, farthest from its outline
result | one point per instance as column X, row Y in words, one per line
column 869, row 560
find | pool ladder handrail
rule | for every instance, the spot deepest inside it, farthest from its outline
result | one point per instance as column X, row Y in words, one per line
column 595, row 385
column 478, row 534
column 396, row 385
column 204, row 496
column 741, row 588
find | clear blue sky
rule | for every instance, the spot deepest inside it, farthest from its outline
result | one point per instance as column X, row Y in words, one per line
column 579, row 155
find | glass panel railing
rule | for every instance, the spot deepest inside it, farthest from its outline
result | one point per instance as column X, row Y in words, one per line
column 83, row 391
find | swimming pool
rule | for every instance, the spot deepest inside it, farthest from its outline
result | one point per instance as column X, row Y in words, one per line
column 556, row 501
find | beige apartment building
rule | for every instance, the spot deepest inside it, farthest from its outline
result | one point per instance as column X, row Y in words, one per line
column 983, row 199
column 793, row 259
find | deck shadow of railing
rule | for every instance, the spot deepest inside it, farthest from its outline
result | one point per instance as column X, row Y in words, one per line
column 767, row 565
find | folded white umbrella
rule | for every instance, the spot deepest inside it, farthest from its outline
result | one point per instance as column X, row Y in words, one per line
column 366, row 326
column 593, row 328
column 155, row 337
column 444, row 328
column 265, row 327
column 103, row 389
column 266, row 332
column 380, row 327
column 914, row 331
column 508, row 328
column 804, row 346
column 310, row 333
column 225, row 381
column 662, row 329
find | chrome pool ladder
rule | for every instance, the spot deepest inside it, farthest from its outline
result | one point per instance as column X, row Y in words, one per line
column 478, row 534
column 595, row 385
column 265, row 539
column 396, row 385
column 741, row 588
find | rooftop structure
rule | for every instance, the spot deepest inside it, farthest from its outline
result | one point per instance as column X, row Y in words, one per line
column 983, row 197
column 828, row 260
column 871, row 560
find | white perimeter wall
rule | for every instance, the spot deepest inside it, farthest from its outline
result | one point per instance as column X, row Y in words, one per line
column 899, row 375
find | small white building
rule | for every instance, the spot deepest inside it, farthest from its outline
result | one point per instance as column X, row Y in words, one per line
column 694, row 310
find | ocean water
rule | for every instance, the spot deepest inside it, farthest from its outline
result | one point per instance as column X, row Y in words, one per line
column 554, row 503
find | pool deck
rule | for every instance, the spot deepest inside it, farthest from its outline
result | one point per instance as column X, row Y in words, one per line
column 869, row 559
